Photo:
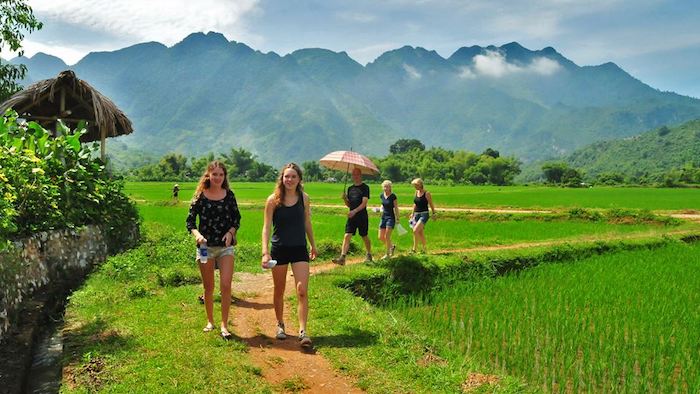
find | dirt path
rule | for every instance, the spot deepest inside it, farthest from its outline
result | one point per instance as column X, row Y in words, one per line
column 283, row 363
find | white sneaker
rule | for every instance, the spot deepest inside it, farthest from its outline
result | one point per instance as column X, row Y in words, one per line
column 304, row 340
column 280, row 331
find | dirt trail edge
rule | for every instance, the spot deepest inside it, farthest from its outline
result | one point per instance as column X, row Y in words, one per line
column 283, row 362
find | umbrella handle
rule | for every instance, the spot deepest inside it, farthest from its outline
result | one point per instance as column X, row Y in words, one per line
column 345, row 177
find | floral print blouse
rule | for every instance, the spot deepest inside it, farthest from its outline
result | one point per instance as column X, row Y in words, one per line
column 216, row 217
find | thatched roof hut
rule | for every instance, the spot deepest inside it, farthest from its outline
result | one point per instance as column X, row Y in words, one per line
column 72, row 100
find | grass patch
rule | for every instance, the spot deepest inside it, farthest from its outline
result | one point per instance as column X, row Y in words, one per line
column 135, row 324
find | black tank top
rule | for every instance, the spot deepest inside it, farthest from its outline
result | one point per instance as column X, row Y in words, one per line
column 288, row 224
column 421, row 203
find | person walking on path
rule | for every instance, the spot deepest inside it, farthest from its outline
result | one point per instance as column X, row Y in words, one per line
column 219, row 219
column 390, row 218
column 358, row 221
column 288, row 215
column 420, row 215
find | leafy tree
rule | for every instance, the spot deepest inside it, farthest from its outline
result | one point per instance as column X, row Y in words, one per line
column 611, row 178
column 571, row 177
column 15, row 17
column 199, row 164
column 173, row 165
column 406, row 145
column 238, row 161
column 312, row 171
column 553, row 171
column 491, row 152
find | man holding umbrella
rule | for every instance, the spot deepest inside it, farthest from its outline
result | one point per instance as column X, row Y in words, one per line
column 356, row 199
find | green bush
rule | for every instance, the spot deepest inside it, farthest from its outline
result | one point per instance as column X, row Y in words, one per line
column 51, row 183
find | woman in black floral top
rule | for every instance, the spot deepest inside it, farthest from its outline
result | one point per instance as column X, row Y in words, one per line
column 219, row 220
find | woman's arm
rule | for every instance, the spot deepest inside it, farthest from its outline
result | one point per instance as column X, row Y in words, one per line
column 191, row 222
column 429, row 197
column 396, row 209
column 307, row 226
column 267, row 226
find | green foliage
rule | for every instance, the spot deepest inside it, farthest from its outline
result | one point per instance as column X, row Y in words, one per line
column 15, row 17
column 559, row 173
column 53, row 182
column 667, row 156
column 406, row 145
column 441, row 165
column 240, row 163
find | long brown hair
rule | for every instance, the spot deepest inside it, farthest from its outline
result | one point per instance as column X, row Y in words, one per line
column 279, row 188
column 204, row 181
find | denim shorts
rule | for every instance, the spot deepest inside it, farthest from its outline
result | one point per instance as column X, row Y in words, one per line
column 421, row 216
column 387, row 222
column 215, row 252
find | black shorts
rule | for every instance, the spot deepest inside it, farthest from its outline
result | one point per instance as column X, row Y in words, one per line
column 289, row 254
column 359, row 222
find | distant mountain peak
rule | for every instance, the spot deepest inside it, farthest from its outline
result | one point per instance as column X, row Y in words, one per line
column 200, row 40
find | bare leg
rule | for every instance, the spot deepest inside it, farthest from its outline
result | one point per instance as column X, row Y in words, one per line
column 368, row 244
column 301, row 280
column 346, row 244
column 419, row 234
column 389, row 244
column 226, row 274
column 279, row 278
column 207, row 272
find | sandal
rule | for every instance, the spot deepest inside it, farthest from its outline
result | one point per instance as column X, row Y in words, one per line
column 208, row 327
column 225, row 334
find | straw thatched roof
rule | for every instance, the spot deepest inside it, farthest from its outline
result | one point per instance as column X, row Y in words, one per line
column 70, row 99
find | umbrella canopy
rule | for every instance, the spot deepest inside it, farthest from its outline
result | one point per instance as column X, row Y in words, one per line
column 347, row 161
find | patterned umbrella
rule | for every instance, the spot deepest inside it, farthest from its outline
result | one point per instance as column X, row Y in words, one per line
column 347, row 161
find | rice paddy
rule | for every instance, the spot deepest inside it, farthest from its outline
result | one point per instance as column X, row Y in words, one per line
column 626, row 322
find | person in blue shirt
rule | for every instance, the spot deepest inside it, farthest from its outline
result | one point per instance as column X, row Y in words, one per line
column 390, row 218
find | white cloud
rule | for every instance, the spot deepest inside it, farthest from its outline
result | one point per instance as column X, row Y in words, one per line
column 166, row 21
column 411, row 71
column 357, row 17
column 493, row 64
column 466, row 73
column 544, row 66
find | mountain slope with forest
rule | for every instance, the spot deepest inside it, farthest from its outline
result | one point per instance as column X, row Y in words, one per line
column 210, row 94
column 652, row 153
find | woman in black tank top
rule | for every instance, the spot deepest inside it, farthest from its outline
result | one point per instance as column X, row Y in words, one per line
column 420, row 215
column 287, row 214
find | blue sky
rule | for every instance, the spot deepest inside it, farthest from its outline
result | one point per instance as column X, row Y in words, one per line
column 656, row 41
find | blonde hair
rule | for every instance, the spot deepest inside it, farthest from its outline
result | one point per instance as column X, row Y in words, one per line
column 418, row 182
column 204, row 181
column 279, row 188
column 386, row 183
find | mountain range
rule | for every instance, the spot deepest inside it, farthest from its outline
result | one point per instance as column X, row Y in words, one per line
column 210, row 94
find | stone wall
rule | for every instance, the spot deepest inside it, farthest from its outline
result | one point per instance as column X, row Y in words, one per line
column 42, row 259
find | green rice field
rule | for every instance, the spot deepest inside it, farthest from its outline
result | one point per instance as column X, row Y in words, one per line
column 522, row 197
column 625, row 322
